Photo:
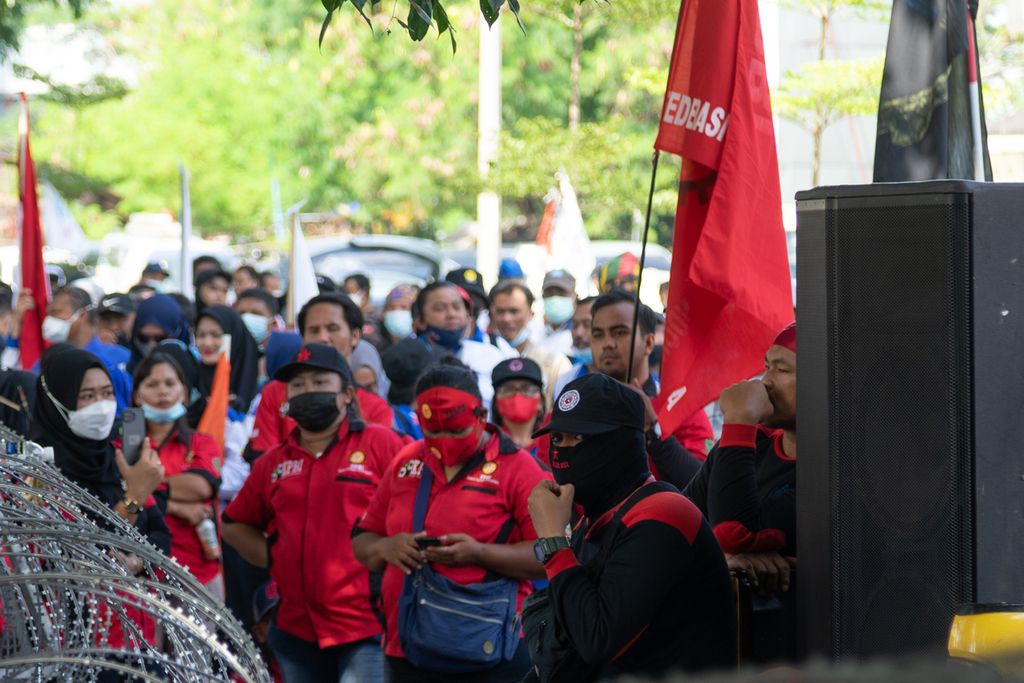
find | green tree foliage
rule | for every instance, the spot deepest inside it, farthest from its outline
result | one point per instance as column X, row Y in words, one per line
column 372, row 124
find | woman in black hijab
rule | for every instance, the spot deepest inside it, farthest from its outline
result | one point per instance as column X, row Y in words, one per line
column 74, row 414
column 211, row 326
column 211, row 290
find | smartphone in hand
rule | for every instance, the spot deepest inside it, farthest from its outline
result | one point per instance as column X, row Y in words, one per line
column 133, row 431
column 425, row 542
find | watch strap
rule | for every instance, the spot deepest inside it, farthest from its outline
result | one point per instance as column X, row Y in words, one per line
column 132, row 506
column 551, row 545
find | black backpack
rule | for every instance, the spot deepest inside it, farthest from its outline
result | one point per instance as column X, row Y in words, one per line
column 552, row 653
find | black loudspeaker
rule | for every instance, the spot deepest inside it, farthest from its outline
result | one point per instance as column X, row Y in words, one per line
column 910, row 400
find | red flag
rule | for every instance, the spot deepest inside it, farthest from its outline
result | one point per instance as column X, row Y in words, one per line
column 730, row 289
column 31, row 269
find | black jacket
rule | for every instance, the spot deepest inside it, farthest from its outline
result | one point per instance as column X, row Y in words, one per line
column 652, row 593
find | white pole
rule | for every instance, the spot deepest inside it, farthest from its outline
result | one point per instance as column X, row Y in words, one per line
column 975, row 95
column 488, row 203
column 186, row 233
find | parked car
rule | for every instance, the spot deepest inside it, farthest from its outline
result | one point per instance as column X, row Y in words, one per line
column 388, row 260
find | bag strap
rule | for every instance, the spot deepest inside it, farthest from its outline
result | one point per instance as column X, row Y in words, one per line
column 615, row 523
column 419, row 510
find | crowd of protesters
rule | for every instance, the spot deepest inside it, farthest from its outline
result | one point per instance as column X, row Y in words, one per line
column 438, row 489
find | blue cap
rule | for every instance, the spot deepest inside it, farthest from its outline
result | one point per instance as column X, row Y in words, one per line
column 509, row 268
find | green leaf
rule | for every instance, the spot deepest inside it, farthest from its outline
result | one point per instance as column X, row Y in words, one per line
column 419, row 18
column 514, row 6
column 359, row 5
column 443, row 23
column 323, row 29
column 491, row 10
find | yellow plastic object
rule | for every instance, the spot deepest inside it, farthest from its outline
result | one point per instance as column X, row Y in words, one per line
column 989, row 634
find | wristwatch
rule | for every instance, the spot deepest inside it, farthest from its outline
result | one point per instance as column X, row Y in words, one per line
column 544, row 548
column 132, row 506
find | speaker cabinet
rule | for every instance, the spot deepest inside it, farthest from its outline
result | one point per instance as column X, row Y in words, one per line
column 910, row 400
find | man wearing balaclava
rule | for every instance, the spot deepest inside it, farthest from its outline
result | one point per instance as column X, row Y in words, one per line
column 747, row 490
column 641, row 587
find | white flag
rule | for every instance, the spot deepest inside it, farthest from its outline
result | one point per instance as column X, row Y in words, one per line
column 60, row 229
column 570, row 245
column 302, row 281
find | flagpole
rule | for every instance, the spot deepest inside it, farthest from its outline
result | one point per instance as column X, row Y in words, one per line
column 643, row 257
column 186, row 232
column 975, row 95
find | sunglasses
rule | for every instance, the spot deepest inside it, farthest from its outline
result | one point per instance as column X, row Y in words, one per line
column 151, row 338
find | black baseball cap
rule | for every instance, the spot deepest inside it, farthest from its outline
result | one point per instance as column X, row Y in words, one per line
column 471, row 281
column 595, row 404
column 121, row 304
column 517, row 368
column 325, row 284
column 316, row 357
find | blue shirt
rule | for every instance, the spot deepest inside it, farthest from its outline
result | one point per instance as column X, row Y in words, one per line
column 406, row 421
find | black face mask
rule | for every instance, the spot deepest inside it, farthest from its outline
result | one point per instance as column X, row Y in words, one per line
column 603, row 468
column 314, row 411
column 124, row 340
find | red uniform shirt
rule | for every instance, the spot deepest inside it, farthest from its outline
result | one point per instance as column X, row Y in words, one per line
column 272, row 427
column 197, row 457
column 312, row 504
column 478, row 502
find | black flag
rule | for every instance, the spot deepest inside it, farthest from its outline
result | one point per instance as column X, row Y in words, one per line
column 924, row 113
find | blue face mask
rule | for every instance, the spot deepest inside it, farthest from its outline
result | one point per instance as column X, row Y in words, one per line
column 520, row 338
column 558, row 309
column 584, row 356
column 449, row 339
column 398, row 323
column 160, row 416
column 257, row 325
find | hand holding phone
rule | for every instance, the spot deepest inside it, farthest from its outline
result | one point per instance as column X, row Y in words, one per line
column 425, row 542
column 133, row 432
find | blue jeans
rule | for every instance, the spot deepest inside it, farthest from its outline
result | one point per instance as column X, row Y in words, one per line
column 304, row 662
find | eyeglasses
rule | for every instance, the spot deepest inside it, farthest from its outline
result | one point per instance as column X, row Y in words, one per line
column 506, row 390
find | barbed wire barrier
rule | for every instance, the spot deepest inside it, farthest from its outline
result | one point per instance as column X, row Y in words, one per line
column 74, row 604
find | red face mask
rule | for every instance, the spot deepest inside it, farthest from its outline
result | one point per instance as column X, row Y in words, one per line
column 443, row 409
column 453, row 451
column 518, row 408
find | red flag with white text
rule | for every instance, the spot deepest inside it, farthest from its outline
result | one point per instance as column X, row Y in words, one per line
column 31, row 269
column 730, row 286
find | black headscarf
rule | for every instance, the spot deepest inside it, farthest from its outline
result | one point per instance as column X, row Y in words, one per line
column 245, row 358
column 189, row 365
column 19, row 388
column 202, row 279
column 84, row 461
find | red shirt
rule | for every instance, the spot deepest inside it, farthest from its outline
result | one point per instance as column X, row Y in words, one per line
column 312, row 505
column 177, row 457
column 272, row 427
column 478, row 502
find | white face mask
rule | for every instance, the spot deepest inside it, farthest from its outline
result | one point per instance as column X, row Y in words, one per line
column 93, row 421
column 357, row 298
column 56, row 330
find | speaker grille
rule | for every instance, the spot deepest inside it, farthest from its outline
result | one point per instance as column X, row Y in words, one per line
column 900, row 397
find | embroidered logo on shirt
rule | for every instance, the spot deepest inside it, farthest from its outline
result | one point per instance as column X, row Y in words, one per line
column 357, row 458
column 288, row 468
column 425, row 409
column 489, row 467
column 413, row 468
column 569, row 400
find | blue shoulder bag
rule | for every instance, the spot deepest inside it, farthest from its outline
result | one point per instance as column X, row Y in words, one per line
column 450, row 627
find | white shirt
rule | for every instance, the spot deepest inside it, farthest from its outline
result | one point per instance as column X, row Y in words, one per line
column 481, row 359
